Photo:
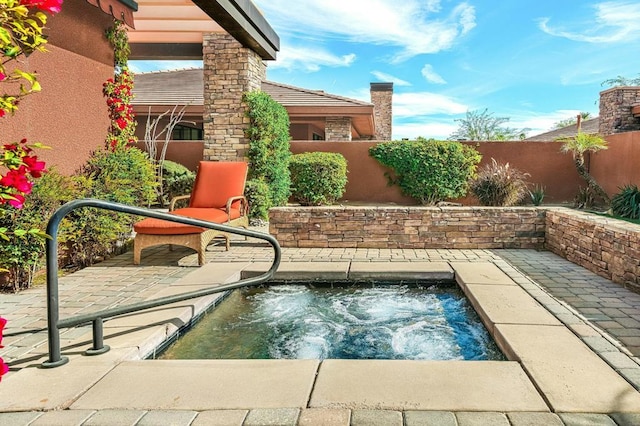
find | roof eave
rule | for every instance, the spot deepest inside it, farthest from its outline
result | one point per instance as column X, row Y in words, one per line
column 245, row 23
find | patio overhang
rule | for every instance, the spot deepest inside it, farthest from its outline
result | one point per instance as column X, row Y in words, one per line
column 172, row 29
column 362, row 120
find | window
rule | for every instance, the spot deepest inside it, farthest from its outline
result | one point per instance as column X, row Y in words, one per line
column 316, row 137
column 186, row 133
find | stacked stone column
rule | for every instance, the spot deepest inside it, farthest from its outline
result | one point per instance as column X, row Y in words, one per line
column 337, row 129
column 616, row 110
column 229, row 70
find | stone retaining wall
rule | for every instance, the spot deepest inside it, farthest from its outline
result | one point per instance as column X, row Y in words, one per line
column 608, row 247
column 408, row 227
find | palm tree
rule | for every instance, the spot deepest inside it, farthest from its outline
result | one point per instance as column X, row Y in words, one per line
column 578, row 145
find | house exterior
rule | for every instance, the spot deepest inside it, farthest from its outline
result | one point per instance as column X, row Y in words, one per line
column 69, row 114
column 587, row 126
column 313, row 114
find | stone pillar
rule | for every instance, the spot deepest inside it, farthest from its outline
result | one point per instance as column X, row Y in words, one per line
column 615, row 110
column 229, row 70
column 337, row 129
column 382, row 100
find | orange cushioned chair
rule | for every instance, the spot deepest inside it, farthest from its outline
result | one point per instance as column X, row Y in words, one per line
column 217, row 196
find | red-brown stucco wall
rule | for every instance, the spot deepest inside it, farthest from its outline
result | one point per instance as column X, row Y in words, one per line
column 619, row 164
column 69, row 114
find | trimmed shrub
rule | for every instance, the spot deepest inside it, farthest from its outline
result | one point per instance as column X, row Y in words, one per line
column 318, row 178
column 125, row 176
column 500, row 185
column 269, row 153
column 428, row 170
column 626, row 203
column 176, row 180
column 257, row 193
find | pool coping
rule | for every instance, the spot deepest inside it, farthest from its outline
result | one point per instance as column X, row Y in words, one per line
column 93, row 376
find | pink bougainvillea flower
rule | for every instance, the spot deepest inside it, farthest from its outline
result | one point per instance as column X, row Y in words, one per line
column 3, row 322
column 4, row 368
column 17, row 179
column 51, row 6
column 2, row 76
column 17, row 201
column 36, row 168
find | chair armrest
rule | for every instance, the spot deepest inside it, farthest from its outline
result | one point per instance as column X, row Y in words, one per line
column 244, row 205
column 172, row 205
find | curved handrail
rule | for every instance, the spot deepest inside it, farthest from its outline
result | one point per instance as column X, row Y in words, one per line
column 53, row 317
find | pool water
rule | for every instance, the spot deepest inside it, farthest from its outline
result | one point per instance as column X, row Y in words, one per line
column 376, row 322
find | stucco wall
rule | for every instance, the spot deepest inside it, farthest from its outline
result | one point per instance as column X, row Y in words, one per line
column 542, row 160
column 69, row 114
column 619, row 164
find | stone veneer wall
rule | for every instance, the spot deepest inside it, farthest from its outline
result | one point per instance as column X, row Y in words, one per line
column 608, row 247
column 229, row 70
column 615, row 110
column 382, row 100
column 337, row 129
column 408, row 227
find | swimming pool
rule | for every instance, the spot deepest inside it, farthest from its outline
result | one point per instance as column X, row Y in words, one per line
column 295, row 321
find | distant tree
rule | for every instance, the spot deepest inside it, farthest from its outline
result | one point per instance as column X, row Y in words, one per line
column 621, row 81
column 571, row 121
column 483, row 126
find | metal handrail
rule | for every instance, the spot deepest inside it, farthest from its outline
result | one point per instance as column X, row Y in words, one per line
column 53, row 317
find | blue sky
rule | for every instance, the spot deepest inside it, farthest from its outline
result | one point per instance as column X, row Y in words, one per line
column 536, row 62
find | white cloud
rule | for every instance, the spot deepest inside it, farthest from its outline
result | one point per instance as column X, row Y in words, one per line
column 432, row 76
column 309, row 59
column 389, row 78
column 414, row 26
column 425, row 103
column 614, row 21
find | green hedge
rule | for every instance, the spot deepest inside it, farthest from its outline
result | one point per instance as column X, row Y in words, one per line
column 318, row 178
column 428, row 170
column 176, row 180
column 269, row 153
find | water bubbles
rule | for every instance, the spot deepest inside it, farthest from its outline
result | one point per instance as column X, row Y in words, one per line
column 382, row 322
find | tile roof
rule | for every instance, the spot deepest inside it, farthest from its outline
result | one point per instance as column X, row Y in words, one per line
column 177, row 87
column 296, row 96
column 181, row 87
column 588, row 126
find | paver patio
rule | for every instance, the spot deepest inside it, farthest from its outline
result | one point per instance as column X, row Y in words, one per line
column 554, row 283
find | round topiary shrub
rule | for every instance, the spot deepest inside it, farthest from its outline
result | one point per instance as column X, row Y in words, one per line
column 318, row 178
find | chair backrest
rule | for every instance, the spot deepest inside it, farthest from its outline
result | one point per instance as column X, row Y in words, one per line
column 216, row 182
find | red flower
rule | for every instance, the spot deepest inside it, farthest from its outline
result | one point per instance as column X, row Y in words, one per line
column 51, row 6
column 17, row 179
column 35, row 167
column 122, row 123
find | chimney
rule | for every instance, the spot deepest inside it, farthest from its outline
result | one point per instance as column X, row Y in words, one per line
column 381, row 98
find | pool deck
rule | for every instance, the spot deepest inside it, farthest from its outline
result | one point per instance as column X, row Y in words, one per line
column 571, row 337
